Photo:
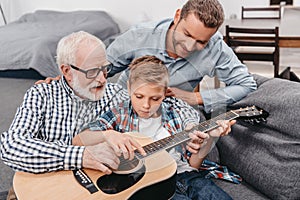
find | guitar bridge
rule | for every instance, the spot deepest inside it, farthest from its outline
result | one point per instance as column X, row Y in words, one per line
column 83, row 179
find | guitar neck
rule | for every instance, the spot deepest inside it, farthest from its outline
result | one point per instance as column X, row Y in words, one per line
column 176, row 139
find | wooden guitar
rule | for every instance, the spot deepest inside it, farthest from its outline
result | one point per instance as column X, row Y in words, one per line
column 149, row 177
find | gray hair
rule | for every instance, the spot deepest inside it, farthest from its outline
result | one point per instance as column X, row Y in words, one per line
column 70, row 44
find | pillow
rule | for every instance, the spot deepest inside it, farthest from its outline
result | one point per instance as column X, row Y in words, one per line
column 267, row 155
column 289, row 75
column 30, row 42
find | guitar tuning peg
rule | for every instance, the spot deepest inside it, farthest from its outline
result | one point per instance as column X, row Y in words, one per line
column 250, row 121
column 257, row 121
column 263, row 119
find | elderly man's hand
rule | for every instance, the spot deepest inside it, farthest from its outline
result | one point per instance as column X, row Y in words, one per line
column 100, row 157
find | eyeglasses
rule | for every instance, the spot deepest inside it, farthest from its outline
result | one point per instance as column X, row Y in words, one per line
column 93, row 73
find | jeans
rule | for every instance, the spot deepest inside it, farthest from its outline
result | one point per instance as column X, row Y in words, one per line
column 193, row 185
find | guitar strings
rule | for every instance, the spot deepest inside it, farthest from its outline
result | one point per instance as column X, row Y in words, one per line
column 163, row 143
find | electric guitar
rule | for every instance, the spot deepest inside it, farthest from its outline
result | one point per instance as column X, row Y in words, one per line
column 144, row 177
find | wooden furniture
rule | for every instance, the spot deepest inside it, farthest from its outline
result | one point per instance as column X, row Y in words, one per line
column 289, row 32
column 277, row 2
column 245, row 45
column 261, row 12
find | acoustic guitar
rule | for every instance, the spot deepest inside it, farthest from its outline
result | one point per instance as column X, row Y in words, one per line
column 149, row 177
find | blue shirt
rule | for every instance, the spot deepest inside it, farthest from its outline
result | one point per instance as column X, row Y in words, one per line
column 216, row 59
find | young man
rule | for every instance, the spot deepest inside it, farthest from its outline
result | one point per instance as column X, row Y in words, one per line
column 191, row 47
column 148, row 112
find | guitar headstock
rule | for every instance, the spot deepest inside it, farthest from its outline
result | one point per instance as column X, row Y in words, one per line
column 252, row 114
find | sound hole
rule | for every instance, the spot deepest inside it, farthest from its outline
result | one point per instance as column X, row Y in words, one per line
column 115, row 183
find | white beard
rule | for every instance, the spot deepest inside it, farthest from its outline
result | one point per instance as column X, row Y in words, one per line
column 84, row 92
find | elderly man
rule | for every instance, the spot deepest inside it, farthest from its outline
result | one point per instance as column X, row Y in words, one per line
column 51, row 115
column 40, row 137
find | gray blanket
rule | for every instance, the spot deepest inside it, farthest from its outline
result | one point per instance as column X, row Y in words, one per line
column 30, row 42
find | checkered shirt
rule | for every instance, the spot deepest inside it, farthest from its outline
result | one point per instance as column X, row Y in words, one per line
column 40, row 136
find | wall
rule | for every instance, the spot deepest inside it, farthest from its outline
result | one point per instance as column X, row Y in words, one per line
column 125, row 12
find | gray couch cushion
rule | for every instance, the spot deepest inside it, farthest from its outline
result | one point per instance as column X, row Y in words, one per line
column 242, row 191
column 267, row 155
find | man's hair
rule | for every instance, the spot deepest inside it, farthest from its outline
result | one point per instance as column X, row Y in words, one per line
column 69, row 45
column 210, row 12
column 148, row 69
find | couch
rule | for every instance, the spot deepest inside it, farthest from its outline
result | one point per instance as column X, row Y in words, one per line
column 266, row 155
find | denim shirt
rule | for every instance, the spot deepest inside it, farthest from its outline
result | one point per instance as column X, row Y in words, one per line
column 216, row 59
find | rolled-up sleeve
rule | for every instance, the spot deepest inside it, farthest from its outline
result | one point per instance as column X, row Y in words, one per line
column 235, row 75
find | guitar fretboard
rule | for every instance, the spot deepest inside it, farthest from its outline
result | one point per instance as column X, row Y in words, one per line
column 174, row 140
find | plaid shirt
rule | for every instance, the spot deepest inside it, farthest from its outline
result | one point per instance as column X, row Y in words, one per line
column 40, row 136
column 125, row 119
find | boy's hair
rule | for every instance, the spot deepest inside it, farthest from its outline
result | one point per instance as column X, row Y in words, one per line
column 210, row 12
column 148, row 69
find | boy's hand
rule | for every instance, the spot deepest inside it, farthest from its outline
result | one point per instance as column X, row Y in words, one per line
column 48, row 80
column 197, row 139
column 123, row 144
column 223, row 129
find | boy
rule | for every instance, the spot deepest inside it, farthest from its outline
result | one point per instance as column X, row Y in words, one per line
column 149, row 112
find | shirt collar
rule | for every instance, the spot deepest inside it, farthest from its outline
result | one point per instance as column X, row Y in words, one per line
column 165, row 111
column 66, row 87
column 161, row 29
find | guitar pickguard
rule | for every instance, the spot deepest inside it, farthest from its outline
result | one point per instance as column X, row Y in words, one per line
column 129, row 166
column 115, row 183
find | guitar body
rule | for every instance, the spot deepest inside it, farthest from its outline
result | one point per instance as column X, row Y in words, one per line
column 154, row 180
